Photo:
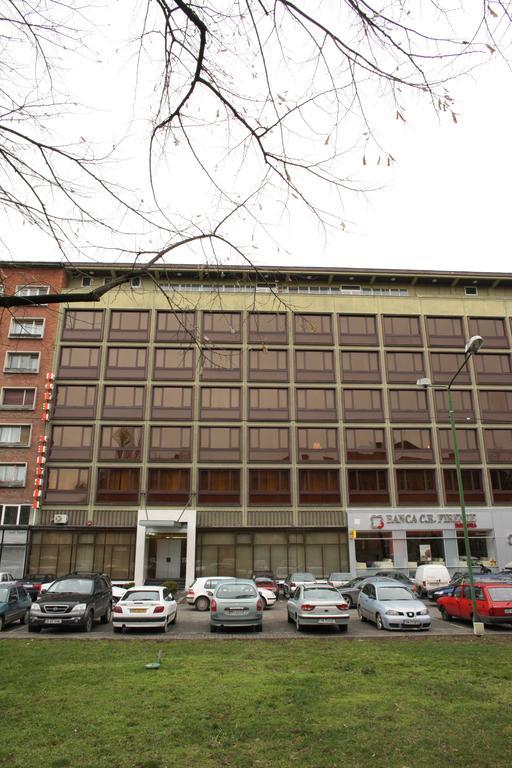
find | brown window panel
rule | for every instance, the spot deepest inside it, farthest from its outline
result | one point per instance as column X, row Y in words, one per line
column 408, row 405
column 221, row 364
column 118, row 486
column 401, row 331
column 74, row 402
column 175, row 326
column 492, row 330
column 412, row 445
column 416, row 486
column 129, row 325
column 444, row 366
column 498, row 445
column 120, row 443
column 361, row 367
column 225, row 327
column 170, row 444
column 501, row 485
column 79, row 363
column 314, row 365
column 70, row 442
column 467, row 443
column 368, row 486
column 174, row 403
column 221, row 403
column 493, row 369
column 404, row 367
column 316, row 405
column 312, row 329
column 462, row 405
column 365, row 445
column 319, row 486
column 126, row 363
column 269, row 444
column 67, row 485
column 120, row 402
column 268, row 365
column 168, row 486
column 219, row 444
column 83, row 325
column 362, row 405
column 268, row 328
column 269, row 487
column 317, row 444
column 358, row 330
column 219, row 486
column 495, row 405
column 17, row 398
column 445, row 332
column 472, row 485
column 174, row 364
column 268, row 404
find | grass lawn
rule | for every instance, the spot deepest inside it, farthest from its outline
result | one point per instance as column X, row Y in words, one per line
column 314, row 703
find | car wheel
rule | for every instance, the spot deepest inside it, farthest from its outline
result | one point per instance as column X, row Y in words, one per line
column 24, row 618
column 32, row 628
column 265, row 604
column 290, row 620
column 213, row 628
column 343, row 627
column 444, row 614
column 89, row 620
column 379, row 622
column 117, row 630
column 348, row 600
column 165, row 627
column 363, row 618
column 105, row 619
column 299, row 626
column 202, row 604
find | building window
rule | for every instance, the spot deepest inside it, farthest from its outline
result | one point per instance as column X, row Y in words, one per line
column 269, row 444
column 416, row 486
column 83, row 325
column 79, row 362
column 401, row 331
column 445, row 332
column 175, row 326
column 167, row 487
column 495, row 406
column 123, row 402
column 412, row 445
column 360, row 367
column 118, row 486
column 467, row 444
column 358, row 330
column 269, row 487
column 444, row 366
column 70, row 443
column 221, row 403
column 471, row 483
column 365, row 445
column 268, row 328
column 130, row 325
column 26, row 327
column 170, row 444
column 225, row 327
column 313, row 365
column 373, row 549
column 498, row 445
column 15, row 435
column 317, row 444
column 470, row 290
column 405, row 367
column 493, row 369
column 268, row 404
column 462, row 405
column 17, row 398
column 368, row 486
column 268, row 365
column 219, row 486
column 22, row 362
column 32, row 290
column 492, row 329
column 316, row 405
column 67, row 485
column 219, row 444
column 87, row 281
column 313, row 329
column 221, row 364
column 501, row 485
column 172, row 403
column 74, row 402
column 362, row 405
column 14, row 514
column 319, row 486
column 13, row 475
column 126, row 363
column 408, row 405
column 174, row 364
column 120, row 443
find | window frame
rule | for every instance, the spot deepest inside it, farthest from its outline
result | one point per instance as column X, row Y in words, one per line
column 26, row 444
column 306, row 372
column 20, row 320
column 79, row 334
column 358, row 339
column 80, row 452
column 26, row 371
column 4, row 407
column 322, row 337
column 14, row 483
column 351, row 375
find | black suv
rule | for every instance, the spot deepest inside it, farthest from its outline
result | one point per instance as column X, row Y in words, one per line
column 75, row 600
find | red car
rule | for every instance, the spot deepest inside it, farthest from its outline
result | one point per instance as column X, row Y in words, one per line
column 265, row 582
column 493, row 603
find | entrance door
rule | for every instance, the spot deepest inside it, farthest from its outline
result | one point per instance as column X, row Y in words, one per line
column 168, row 558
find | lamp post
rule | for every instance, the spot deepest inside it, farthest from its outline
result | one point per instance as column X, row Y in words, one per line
column 470, row 349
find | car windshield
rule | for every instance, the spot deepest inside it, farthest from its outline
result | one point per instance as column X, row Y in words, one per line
column 321, row 594
column 77, row 586
column 500, row 594
column 236, row 591
column 394, row 593
column 4, row 595
column 141, row 594
column 303, row 577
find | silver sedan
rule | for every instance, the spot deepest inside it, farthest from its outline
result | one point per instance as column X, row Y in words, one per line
column 236, row 603
column 317, row 606
column 391, row 606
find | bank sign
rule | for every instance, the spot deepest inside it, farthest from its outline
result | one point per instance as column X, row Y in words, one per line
column 378, row 522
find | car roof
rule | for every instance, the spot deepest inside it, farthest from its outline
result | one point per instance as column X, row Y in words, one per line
column 383, row 581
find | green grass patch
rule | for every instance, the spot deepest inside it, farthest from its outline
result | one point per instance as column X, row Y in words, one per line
column 243, row 704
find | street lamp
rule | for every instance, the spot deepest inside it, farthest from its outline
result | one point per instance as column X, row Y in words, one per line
column 471, row 348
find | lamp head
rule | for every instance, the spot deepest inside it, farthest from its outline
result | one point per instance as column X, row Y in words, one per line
column 425, row 383
column 473, row 345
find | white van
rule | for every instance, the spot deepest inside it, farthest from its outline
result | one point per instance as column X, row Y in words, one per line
column 430, row 577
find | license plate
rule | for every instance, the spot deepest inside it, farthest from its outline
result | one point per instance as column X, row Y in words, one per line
column 508, row 610
column 411, row 623
column 235, row 610
column 137, row 610
column 326, row 621
column 54, row 621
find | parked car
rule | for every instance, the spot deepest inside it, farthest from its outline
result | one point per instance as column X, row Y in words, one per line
column 269, row 598
column 311, row 606
column 119, row 588
column 430, row 576
column 35, row 582
column 397, row 576
column 144, row 607
column 201, row 591
column 236, row 603
column 338, row 580
column 493, row 602
column 15, row 604
column 265, row 582
column 351, row 590
column 294, row 580
column 4, row 576
column 391, row 606
column 73, row 601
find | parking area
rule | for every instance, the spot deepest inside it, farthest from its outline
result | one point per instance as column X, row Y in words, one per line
column 194, row 625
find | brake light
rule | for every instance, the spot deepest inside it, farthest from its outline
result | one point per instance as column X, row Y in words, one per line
column 159, row 609
column 213, row 606
column 117, row 609
column 259, row 605
column 37, row 586
column 190, row 593
column 307, row 607
column 342, row 607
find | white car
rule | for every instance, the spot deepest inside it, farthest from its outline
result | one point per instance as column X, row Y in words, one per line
column 268, row 597
column 143, row 607
column 119, row 588
column 201, row 591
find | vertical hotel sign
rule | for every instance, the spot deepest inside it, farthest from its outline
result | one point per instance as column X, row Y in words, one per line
column 43, row 438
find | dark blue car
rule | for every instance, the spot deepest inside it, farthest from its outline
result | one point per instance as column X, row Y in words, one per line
column 15, row 604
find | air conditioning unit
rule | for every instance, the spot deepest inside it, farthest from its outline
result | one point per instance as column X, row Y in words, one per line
column 60, row 519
